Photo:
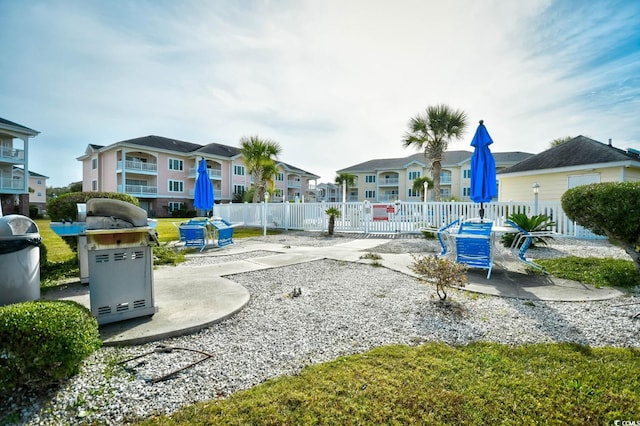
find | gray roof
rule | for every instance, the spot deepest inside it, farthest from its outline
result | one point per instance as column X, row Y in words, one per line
column 19, row 126
column 451, row 158
column 296, row 169
column 31, row 174
column 34, row 174
column 578, row 151
column 159, row 142
column 219, row 150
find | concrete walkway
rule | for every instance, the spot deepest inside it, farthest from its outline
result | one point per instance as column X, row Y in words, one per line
column 190, row 298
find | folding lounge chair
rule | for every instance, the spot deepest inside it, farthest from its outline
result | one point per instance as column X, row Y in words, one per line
column 523, row 241
column 474, row 245
column 193, row 236
column 477, row 228
column 443, row 234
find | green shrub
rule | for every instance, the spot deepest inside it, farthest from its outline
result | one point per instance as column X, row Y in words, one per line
column 164, row 255
column 611, row 209
column 64, row 208
column 43, row 342
column 440, row 272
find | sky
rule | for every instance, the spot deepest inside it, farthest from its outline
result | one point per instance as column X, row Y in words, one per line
column 334, row 82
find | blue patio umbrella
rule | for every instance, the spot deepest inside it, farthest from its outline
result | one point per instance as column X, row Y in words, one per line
column 203, row 196
column 483, row 169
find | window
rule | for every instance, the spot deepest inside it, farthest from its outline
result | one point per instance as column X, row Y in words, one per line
column 466, row 192
column 39, row 182
column 174, row 206
column 413, row 193
column 94, row 185
column 94, row 163
column 466, row 174
column 175, row 164
column 370, row 194
column 238, row 189
column 370, row 179
column 444, row 192
column 238, row 170
column 414, row 175
column 280, row 176
column 176, row 186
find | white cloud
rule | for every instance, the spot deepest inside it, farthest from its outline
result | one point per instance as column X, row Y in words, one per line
column 334, row 82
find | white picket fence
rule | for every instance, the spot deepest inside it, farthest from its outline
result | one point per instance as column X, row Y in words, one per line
column 380, row 218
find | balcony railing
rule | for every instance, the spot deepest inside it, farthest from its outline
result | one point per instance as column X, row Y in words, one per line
column 388, row 197
column 294, row 184
column 213, row 173
column 11, row 154
column 139, row 166
column 389, row 182
column 11, row 183
column 139, row 189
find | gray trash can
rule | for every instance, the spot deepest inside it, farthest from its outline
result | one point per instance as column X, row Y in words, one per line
column 19, row 260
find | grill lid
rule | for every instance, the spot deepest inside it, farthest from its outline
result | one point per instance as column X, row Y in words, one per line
column 105, row 213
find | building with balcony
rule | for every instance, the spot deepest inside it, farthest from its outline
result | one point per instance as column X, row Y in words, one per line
column 14, row 167
column 329, row 192
column 391, row 179
column 161, row 172
column 294, row 184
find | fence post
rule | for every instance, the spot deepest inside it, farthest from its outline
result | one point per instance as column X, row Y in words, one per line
column 264, row 219
column 366, row 210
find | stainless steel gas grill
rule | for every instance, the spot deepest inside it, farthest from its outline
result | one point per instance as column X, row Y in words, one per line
column 120, row 260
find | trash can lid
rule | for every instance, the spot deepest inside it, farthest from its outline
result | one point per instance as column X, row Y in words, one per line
column 15, row 224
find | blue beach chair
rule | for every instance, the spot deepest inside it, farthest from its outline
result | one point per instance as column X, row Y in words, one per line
column 474, row 245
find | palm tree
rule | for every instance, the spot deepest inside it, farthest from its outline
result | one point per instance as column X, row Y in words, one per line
column 259, row 155
column 268, row 174
column 332, row 212
column 345, row 180
column 418, row 184
column 560, row 141
column 432, row 131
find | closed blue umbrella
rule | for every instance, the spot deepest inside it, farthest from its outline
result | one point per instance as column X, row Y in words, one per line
column 203, row 197
column 483, row 168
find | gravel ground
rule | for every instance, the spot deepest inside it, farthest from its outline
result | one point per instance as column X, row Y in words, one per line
column 344, row 308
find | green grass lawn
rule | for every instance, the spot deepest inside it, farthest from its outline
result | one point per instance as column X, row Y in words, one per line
column 433, row 384
column 482, row 383
column 57, row 249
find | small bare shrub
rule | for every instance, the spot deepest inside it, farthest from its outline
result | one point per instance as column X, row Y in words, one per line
column 439, row 271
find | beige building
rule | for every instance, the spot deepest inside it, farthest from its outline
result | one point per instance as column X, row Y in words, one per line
column 391, row 179
column 579, row 161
